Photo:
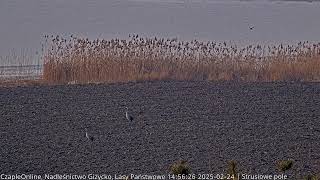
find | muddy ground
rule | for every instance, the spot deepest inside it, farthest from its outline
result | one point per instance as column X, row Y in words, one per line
column 256, row 124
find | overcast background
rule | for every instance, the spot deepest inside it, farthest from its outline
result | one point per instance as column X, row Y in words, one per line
column 23, row 23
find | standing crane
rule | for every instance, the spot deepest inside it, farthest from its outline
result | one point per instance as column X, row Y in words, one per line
column 128, row 116
column 90, row 138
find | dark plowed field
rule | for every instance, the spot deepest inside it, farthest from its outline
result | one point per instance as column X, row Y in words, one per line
column 43, row 128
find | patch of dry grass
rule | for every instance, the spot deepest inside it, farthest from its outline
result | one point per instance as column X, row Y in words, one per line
column 137, row 59
column 180, row 168
column 284, row 165
column 312, row 177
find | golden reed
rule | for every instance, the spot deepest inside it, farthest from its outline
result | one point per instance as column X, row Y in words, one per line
column 81, row 60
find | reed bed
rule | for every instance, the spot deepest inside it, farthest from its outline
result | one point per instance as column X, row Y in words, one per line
column 80, row 60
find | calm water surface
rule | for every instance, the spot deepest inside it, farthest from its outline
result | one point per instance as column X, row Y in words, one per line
column 24, row 22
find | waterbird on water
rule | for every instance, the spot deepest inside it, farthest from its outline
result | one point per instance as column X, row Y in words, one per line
column 130, row 118
column 91, row 138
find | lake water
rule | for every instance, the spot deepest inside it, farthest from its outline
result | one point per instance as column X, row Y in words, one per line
column 20, row 72
column 25, row 22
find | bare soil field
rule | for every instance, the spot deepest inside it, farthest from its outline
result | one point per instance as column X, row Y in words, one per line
column 208, row 124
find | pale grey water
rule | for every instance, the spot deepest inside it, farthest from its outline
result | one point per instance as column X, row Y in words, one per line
column 20, row 72
column 23, row 23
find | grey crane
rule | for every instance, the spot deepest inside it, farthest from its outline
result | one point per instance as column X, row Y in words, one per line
column 90, row 138
column 128, row 116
